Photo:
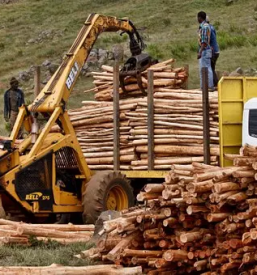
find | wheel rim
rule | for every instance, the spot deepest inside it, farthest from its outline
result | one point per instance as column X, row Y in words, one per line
column 117, row 199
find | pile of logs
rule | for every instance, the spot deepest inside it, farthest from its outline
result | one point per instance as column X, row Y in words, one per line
column 201, row 220
column 12, row 232
column 178, row 130
column 165, row 76
column 178, row 122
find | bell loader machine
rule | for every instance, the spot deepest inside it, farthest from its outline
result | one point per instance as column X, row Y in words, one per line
column 47, row 173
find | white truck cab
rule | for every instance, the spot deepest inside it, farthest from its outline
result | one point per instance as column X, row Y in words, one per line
column 250, row 122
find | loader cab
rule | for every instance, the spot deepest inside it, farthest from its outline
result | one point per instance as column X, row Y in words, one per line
column 250, row 122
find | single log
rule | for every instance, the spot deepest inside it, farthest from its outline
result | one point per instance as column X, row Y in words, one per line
column 177, row 150
column 200, row 187
column 109, row 243
column 253, row 235
column 167, row 211
column 62, row 270
column 229, row 266
column 142, row 196
column 167, row 244
column 27, row 230
column 232, row 227
column 246, row 238
column 245, row 215
column 242, row 174
column 225, row 187
column 62, row 227
column 108, row 167
column 200, row 265
column 191, row 200
column 174, row 255
column 109, row 160
column 161, row 263
column 14, row 240
column 190, row 237
column 170, row 221
column 150, row 244
column 109, row 154
column 249, row 258
column 154, row 188
column 141, row 253
column 249, row 249
column 217, row 217
column 238, row 197
column 9, row 232
column 224, row 196
column 196, row 209
column 139, row 261
column 119, row 248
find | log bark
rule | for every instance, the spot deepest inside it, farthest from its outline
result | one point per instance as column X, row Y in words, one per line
column 62, row 270
column 175, row 255
column 51, row 233
column 119, row 248
column 177, row 150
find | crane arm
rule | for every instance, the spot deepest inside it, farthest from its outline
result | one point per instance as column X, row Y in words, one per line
column 58, row 89
column 44, row 153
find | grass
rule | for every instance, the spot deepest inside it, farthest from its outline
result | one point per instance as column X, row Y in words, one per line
column 169, row 29
column 43, row 254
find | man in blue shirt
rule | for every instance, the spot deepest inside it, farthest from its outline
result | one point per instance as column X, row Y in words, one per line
column 205, row 52
column 215, row 51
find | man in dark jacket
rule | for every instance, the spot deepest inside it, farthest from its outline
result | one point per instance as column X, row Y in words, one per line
column 13, row 99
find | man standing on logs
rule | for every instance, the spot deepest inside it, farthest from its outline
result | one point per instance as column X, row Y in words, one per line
column 215, row 52
column 13, row 99
column 205, row 51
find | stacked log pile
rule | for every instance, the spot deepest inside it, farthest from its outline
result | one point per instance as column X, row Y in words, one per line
column 12, row 232
column 178, row 130
column 201, row 220
column 165, row 76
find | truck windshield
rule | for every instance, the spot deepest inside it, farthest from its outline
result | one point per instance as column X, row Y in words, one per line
column 253, row 123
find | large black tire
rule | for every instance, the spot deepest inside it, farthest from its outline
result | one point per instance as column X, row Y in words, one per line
column 97, row 192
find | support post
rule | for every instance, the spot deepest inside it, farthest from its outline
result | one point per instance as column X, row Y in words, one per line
column 150, row 119
column 118, row 51
column 206, row 117
column 116, row 118
column 37, row 87
column 185, row 86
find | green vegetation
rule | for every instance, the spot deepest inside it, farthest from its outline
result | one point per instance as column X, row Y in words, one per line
column 169, row 29
column 43, row 254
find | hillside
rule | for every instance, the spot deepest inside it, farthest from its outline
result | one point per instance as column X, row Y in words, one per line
column 33, row 31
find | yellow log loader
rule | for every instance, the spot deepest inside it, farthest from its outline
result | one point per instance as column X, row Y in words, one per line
column 47, row 174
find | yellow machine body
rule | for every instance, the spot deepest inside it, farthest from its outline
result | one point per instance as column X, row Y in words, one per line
column 32, row 172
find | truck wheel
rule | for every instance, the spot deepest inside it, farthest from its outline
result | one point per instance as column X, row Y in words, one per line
column 106, row 190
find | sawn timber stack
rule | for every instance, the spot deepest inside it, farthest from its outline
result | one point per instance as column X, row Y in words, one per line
column 201, row 220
